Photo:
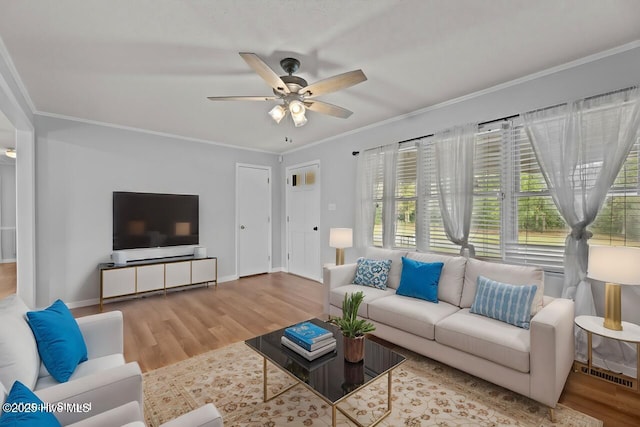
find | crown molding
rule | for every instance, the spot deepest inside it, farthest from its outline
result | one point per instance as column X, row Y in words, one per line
column 149, row 132
column 549, row 71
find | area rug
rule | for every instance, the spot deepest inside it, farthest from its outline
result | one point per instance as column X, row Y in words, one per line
column 425, row 393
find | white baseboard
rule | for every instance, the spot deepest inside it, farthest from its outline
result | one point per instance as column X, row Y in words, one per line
column 279, row 270
column 77, row 304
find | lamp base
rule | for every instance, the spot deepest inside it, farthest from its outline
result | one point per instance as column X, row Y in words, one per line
column 339, row 256
column 612, row 307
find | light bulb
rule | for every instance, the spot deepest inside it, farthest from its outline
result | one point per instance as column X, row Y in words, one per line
column 296, row 108
column 10, row 152
column 277, row 113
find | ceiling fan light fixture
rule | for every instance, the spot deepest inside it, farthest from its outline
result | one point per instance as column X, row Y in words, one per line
column 10, row 152
column 299, row 119
column 296, row 108
column 277, row 113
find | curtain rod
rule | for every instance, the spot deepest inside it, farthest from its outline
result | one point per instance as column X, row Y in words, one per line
column 417, row 138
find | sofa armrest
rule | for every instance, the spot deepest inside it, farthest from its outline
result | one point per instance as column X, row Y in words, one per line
column 120, row 416
column 552, row 350
column 205, row 416
column 102, row 333
column 334, row 276
column 101, row 391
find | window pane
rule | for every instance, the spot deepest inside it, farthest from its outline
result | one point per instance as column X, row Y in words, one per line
column 377, row 225
column 405, row 224
column 539, row 222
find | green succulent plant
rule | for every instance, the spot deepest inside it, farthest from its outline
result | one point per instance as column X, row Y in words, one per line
column 349, row 323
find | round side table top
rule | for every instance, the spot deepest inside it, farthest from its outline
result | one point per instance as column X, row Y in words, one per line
column 630, row 331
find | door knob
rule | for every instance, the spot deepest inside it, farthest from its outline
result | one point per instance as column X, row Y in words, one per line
column 315, row 228
column 242, row 227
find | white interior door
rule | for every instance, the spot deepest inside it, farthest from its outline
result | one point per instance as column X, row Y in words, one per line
column 253, row 214
column 303, row 220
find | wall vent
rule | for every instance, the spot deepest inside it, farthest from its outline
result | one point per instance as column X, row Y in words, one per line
column 611, row 377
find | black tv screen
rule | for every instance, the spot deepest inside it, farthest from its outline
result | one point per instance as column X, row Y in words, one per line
column 151, row 220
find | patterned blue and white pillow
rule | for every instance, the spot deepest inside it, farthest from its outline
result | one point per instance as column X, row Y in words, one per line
column 372, row 272
column 501, row 301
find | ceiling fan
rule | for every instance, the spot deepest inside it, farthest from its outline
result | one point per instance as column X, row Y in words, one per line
column 296, row 94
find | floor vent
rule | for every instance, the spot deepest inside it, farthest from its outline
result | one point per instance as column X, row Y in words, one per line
column 612, row 377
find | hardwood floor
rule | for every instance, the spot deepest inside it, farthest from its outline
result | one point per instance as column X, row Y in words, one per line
column 7, row 279
column 163, row 330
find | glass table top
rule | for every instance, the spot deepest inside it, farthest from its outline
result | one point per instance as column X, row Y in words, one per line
column 330, row 375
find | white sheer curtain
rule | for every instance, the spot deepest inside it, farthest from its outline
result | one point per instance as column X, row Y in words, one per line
column 454, row 155
column 390, row 154
column 580, row 147
column 423, row 182
column 376, row 172
column 369, row 163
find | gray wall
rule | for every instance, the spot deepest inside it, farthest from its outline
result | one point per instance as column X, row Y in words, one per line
column 7, row 209
column 338, row 176
column 78, row 167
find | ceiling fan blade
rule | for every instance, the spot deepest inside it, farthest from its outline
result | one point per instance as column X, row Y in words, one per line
column 332, row 84
column 242, row 98
column 326, row 108
column 264, row 71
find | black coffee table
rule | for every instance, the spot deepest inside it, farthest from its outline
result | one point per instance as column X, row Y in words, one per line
column 330, row 377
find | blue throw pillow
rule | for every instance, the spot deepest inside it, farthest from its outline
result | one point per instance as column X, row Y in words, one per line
column 420, row 279
column 60, row 342
column 501, row 301
column 23, row 408
column 372, row 272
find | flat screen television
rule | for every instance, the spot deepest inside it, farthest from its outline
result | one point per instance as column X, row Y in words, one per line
column 151, row 220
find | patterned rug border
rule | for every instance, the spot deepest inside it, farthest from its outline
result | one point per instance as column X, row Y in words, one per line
column 425, row 392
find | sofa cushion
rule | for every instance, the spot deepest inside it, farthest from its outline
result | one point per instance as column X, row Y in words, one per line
column 19, row 359
column 336, row 296
column 89, row 367
column 420, row 279
column 372, row 272
column 396, row 262
column 22, row 397
column 488, row 338
column 60, row 342
column 412, row 315
column 505, row 302
column 451, row 278
column 505, row 273
column 3, row 393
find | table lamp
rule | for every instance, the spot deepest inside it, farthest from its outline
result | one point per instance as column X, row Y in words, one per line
column 340, row 238
column 614, row 265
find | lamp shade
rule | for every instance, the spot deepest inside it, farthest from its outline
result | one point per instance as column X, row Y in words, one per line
column 340, row 237
column 614, row 264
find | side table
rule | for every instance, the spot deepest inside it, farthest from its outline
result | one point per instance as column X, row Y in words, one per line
column 630, row 333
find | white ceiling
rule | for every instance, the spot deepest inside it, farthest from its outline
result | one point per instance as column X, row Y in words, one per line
column 150, row 64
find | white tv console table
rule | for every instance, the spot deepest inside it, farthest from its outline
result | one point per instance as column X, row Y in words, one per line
column 138, row 277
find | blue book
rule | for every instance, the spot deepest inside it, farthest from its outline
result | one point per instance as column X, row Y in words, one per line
column 311, row 347
column 307, row 332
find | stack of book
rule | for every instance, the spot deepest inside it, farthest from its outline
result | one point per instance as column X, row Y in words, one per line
column 309, row 340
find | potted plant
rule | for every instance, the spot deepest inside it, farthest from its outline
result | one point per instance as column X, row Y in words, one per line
column 353, row 329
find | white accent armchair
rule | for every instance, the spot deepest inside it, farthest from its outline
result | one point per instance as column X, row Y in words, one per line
column 129, row 415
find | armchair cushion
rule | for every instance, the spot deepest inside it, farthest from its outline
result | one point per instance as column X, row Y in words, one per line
column 20, row 398
column 90, row 367
column 60, row 342
column 19, row 359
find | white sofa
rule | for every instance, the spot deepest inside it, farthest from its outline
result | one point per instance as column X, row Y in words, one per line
column 533, row 362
